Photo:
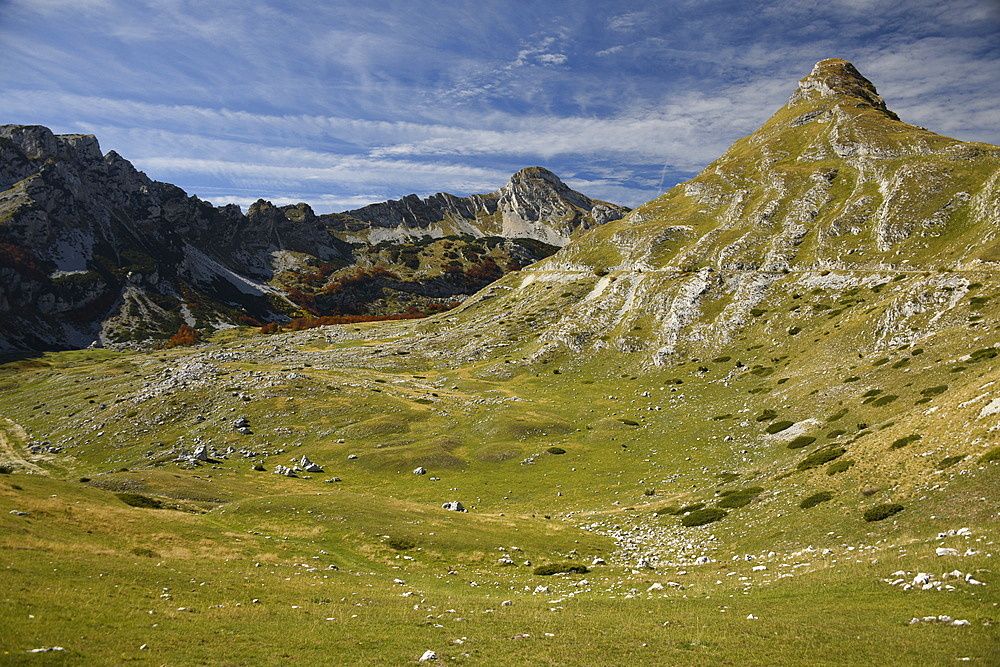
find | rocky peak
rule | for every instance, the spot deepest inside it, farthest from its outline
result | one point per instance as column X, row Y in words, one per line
column 835, row 77
column 538, row 183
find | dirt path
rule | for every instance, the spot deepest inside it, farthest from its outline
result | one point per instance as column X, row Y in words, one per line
column 12, row 433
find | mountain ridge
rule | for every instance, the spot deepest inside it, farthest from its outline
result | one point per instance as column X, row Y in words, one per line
column 94, row 250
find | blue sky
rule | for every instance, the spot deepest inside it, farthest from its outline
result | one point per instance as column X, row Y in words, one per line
column 342, row 103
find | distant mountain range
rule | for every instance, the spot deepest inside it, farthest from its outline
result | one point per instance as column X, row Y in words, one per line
column 93, row 251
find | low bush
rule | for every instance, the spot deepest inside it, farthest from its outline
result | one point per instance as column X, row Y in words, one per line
column 778, row 427
column 690, row 508
column 670, row 509
column 839, row 466
column 560, row 568
column 905, row 440
column 883, row 511
column 740, row 498
column 703, row 516
column 143, row 551
column 822, row 456
column 400, row 543
column 766, row 416
column 816, row 499
column 6, row 470
column 138, row 500
column 836, row 433
column 801, row 441
column 991, row 456
column 884, row 400
column 556, row 450
column 949, row 461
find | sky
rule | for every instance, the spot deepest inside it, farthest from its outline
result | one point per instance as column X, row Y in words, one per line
column 341, row 103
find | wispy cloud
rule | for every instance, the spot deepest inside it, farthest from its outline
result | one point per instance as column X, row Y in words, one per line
column 332, row 101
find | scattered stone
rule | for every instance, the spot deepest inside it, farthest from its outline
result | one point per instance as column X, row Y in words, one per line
column 20, row 513
column 419, row 471
column 333, row 479
column 453, row 506
column 942, row 551
column 655, row 587
column 702, row 560
column 45, row 650
column 352, row 456
column 200, row 453
column 308, row 465
column 428, row 656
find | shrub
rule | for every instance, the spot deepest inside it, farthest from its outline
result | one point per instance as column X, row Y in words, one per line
column 137, row 500
column 766, row 416
column 690, row 508
column 630, row 422
column 259, row 468
column 836, row 416
column 740, row 497
column 560, row 568
column 801, row 441
column 703, row 516
column 822, row 456
column 556, row 450
column 649, row 492
column 778, row 427
column 883, row 511
column 934, row 391
column 839, row 466
column 950, row 461
column 6, row 470
column 143, row 551
column 400, row 543
column 836, row 433
column 991, row 456
column 794, row 330
column 884, row 400
column 670, row 509
column 904, row 441
column 816, row 499
column 84, row 480
column 186, row 335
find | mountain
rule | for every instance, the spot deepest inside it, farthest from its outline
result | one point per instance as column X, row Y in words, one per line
column 832, row 194
column 92, row 250
column 535, row 204
column 753, row 422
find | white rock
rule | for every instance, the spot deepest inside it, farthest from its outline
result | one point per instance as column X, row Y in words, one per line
column 428, row 656
column 655, row 587
column 960, row 621
column 943, row 551
column 751, row 617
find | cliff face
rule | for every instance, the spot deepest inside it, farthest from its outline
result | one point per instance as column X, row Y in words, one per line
column 535, row 204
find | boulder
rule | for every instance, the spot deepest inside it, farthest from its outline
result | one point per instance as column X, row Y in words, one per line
column 200, row 453
column 419, row 471
column 428, row 656
column 454, row 506
column 308, row 465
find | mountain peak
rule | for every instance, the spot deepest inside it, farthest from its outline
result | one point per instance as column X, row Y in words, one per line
column 835, row 77
column 534, row 173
